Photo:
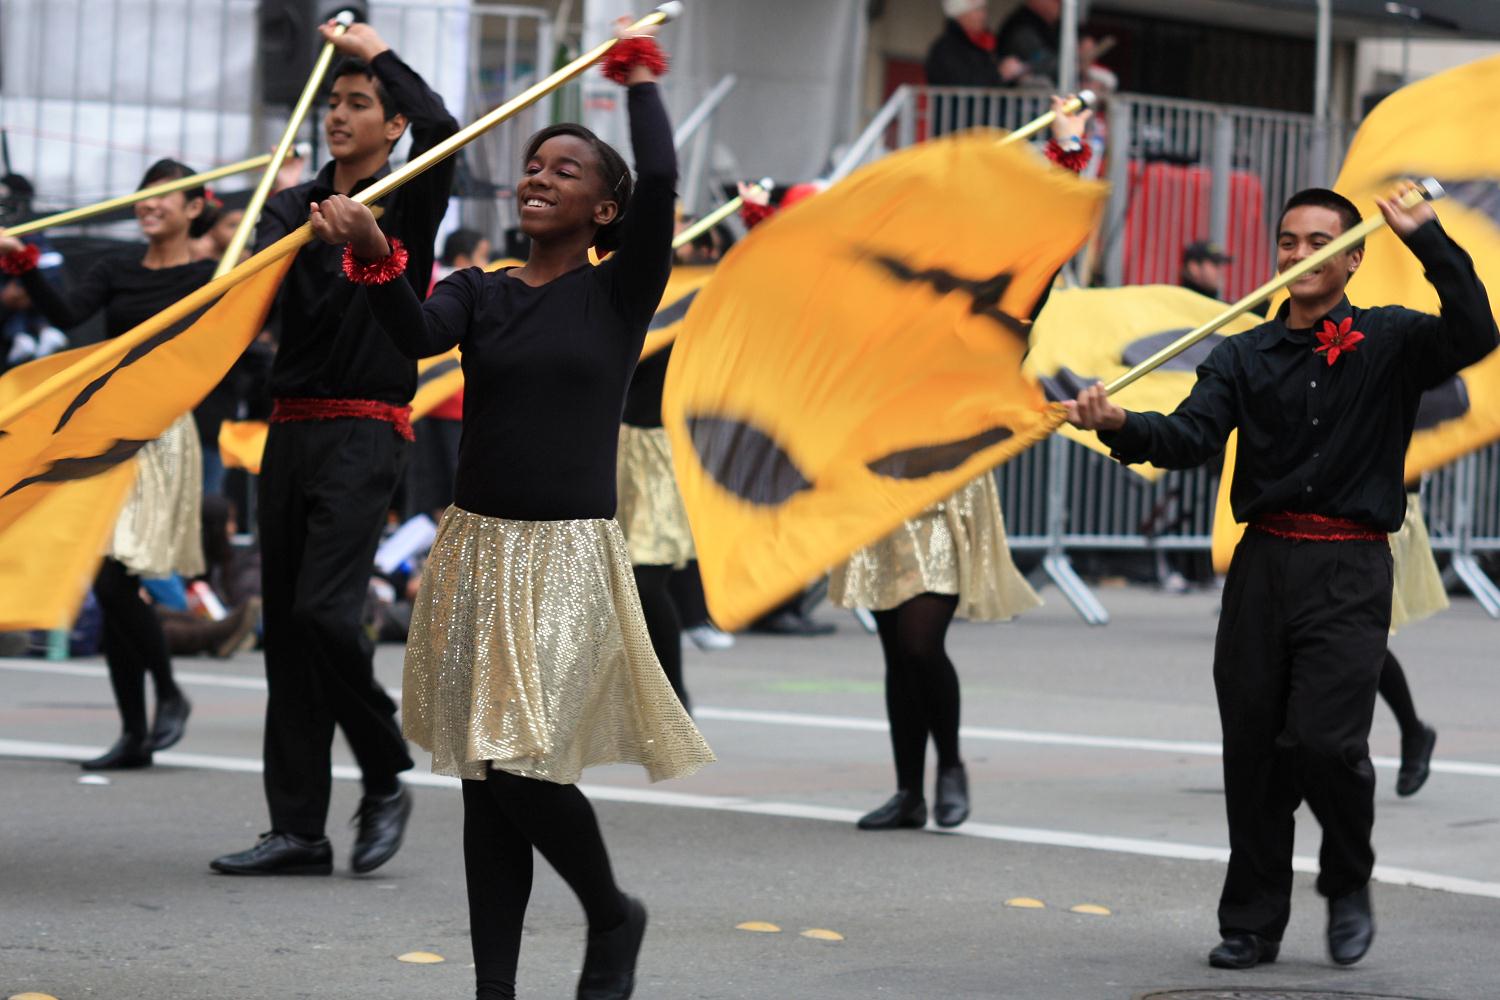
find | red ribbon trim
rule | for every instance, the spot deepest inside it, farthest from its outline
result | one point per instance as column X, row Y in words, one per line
column 628, row 53
column 294, row 410
column 1074, row 161
column 1316, row 528
column 378, row 271
column 22, row 260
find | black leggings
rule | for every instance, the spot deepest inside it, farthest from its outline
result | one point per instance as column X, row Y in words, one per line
column 662, row 623
column 921, row 686
column 134, row 645
column 505, row 816
column 1397, row 695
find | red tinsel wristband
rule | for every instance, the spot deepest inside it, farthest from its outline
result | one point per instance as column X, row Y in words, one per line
column 22, row 260
column 378, row 271
column 627, row 53
column 1074, row 160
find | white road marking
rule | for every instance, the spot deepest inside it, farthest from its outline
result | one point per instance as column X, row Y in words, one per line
column 1183, row 748
column 793, row 810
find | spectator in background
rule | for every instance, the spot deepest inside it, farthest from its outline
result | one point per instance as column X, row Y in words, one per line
column 25, row 334
column 964, row 54
column 463, row 248
column 1031, row 37
column 1203, row 269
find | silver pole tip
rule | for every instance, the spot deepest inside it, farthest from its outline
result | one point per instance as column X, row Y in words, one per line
column 1087, row 98
column 1431, row 189
column 671, row 10
column 344, row 17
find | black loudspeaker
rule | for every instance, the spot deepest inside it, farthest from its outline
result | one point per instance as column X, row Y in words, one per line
column 289, row 43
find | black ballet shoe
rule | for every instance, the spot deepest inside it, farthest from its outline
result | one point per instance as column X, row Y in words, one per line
column 171, row 721
column 952, row 806
column 1243, row 951
column 129, row 752
column 1416, row 762
column 609, row 962
column 904, row 810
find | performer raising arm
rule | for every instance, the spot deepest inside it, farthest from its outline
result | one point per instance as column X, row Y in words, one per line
column 528, row 656
column 1324, row 396
column 338, row 441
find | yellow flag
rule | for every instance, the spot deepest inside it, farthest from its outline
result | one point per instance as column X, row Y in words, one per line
column 857, row 358
column 682, row 288
column 1444, row 126
column 1087, row 335
column 68, row 432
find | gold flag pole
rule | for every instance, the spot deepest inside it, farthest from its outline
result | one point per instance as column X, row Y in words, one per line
column 105, row 358
column 125, row 200
column 1080, row 101
column 246, row 228
column 1426, row 190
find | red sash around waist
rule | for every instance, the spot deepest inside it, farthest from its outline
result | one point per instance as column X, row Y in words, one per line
column 1316, row 528
column 285, row 411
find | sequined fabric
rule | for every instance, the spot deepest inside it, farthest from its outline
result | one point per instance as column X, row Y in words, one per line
column 1418, row 591
column 159, row 531
column 649, row 506
column 954, row 547
column 528, row 653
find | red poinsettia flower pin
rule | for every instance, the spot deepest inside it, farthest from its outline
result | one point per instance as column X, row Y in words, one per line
column 1335, row 339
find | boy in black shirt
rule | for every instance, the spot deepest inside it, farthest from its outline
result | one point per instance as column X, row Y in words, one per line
column 1324, row 396
column 337, row 444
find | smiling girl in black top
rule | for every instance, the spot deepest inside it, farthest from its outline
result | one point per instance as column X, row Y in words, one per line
column 529, row 658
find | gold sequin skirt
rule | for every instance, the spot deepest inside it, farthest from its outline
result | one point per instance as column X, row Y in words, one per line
column 1418, row 592
column 954, row 547
column 650, row 509
column 528, row 653
column 160, row 531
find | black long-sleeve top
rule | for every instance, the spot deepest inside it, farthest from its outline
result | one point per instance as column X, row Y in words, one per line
column 329, row 345
column 1320, row 438
column 643, row 397
column 129, row 292
column 545, row 368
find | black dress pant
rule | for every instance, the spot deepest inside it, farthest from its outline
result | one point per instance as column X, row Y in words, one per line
column 1301, row 639
column 325, row 490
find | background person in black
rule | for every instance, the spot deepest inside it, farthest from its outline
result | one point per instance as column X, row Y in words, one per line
column 1324, row 419
column 157, row 533
column 528, row 658
column 337, row 443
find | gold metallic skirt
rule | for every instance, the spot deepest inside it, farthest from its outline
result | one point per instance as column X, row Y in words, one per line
column 1418, row 592
column 954, row 547
column 650, row 508
column 528, row 654
column 160, row 531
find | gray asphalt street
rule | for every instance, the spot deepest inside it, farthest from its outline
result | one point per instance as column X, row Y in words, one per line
column 1093, row 759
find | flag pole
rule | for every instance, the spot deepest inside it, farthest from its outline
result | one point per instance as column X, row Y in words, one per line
column 126, row 200
column 1425, row 190
column 246, row 228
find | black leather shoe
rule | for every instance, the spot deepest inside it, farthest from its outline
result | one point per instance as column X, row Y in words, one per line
column 171, row 721
column 128, row 752
column 382, row 824
column 952, row 806
column 904, row 810
column 609, row 963
column 1243, row 951
column 1416, row 762
column 1351, row 926
column 279, row 854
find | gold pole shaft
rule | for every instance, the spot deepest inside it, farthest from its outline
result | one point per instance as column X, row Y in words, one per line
column 246, row 228
column 1078, row 102
column 126, row 200
column 520, row 102
column 1427, row 190
column 706, row 223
